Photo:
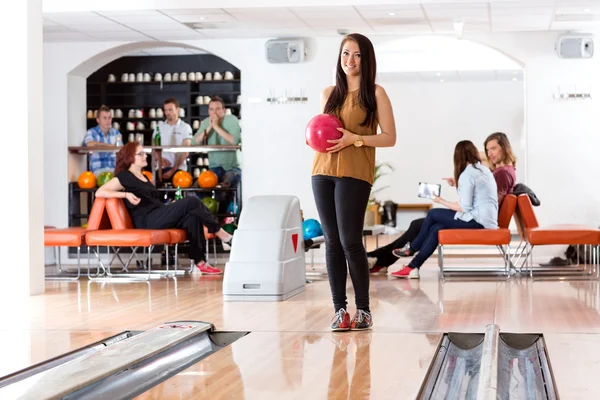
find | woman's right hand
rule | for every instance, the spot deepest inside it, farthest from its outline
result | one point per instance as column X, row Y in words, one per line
column 132, row 198
column 450, row 181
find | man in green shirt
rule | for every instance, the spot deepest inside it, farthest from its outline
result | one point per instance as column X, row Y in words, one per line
column 221, row 129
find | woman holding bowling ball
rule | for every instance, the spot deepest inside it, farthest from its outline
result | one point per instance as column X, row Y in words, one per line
column 342, row 176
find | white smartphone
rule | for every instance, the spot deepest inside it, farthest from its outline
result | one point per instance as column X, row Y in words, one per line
column 426, row 190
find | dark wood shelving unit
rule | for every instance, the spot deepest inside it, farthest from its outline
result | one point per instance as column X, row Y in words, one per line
column 146, row 95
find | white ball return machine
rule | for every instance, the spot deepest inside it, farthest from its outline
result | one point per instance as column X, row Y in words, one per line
column 267, row 260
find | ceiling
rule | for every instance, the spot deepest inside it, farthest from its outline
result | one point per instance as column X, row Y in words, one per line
column 425, row 17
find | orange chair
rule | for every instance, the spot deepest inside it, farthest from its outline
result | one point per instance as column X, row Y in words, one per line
column 481, row 237
column 75, row 237
column 532, row 234
column 123, row 234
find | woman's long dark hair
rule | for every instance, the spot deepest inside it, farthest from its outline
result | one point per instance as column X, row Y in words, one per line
column 126, row 156
column 465, row 153
column 366, row 92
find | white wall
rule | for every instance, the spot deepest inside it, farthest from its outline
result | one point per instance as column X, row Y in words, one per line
column 21, row 240
column 431, row 117
column 561, row 136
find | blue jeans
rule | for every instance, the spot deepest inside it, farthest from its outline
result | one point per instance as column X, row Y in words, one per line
column 427, row 240
column 232, row 176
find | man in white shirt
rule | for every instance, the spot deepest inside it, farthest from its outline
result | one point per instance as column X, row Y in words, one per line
column 173, row 132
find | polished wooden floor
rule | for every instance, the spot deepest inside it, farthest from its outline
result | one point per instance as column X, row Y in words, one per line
column 290, row 352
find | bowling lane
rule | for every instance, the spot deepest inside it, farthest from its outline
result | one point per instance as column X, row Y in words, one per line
column 23, row 348
column 301, row 365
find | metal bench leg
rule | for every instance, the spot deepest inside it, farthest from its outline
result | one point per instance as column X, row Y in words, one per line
column 67, row 278
column 441, row 259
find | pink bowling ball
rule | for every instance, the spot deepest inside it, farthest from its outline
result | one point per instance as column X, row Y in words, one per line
column 320, row 129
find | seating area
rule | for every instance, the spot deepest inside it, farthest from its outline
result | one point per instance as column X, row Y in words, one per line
column 520, row 260
column 110, row 226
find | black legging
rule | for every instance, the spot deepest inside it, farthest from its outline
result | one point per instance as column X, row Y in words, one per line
column 384, row 254
column 188, row 213
column 341, row 203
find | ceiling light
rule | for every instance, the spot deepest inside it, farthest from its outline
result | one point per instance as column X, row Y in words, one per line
column 587, row 10
column 391, row 14
column 441, row 80
column 515, row 79
column 438, row 74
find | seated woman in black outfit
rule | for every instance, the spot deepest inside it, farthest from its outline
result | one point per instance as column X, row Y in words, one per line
column 148, row 211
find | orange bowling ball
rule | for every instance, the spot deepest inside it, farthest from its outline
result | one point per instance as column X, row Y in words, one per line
column 148, row 174
column 182, row 179
column 87, row 180
column 208, row 179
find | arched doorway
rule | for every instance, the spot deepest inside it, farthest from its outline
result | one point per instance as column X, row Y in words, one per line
column 93, row 74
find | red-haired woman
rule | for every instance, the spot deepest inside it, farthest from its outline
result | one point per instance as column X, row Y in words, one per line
column 148, row 212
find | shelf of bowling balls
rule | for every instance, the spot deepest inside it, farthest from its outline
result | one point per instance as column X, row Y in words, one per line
column 172, row 149
column 198, row 189
column 76, row 188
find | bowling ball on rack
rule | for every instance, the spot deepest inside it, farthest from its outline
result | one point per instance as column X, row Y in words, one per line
column 320, row 129
column 231, row 208
column 230, row 228
column 104, row 177
column 208, row 179
column 211, row 204
column 183, row 179
column 148, row 174
column 87, row 180
column 311, row 228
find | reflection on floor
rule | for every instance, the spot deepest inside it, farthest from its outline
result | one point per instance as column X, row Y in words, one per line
column 290, row 352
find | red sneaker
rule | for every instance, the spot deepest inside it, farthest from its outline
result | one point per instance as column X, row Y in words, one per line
column 406, row 272
column 341, row 321
column 205, row 268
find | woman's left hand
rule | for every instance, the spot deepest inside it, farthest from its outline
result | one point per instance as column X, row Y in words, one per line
column 348, row 138
column 436, row 199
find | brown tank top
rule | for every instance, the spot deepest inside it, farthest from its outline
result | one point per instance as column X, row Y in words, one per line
column 353, row 162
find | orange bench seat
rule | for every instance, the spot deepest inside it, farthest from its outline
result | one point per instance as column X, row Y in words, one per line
column 70, row 237
column 562, row 235
column 484, row 237
column 128, row 237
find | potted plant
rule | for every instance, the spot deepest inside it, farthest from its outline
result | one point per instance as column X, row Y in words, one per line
column 373, row 217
